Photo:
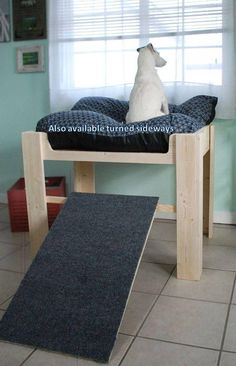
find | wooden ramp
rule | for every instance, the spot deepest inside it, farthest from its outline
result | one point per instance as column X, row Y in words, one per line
column 74, row 295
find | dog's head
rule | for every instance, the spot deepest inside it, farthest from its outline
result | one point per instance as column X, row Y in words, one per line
column 159, row 61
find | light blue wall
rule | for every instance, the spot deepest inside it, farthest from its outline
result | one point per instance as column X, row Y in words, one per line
column 150, row 180
column 225, row 166
column 24, row 99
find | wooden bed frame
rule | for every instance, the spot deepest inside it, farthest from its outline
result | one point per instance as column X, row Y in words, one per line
column 193, row 155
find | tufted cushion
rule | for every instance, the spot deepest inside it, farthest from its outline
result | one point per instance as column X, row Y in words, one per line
column 98, row 123
column 110, row 107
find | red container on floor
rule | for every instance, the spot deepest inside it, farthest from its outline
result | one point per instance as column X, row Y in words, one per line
column 55, row 186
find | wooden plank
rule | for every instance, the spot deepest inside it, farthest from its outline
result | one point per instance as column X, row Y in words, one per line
column 35, row 189
column 166, row 208
column 56, row 199
column 208, row 186
column 109, row 157
column 204, row 135
column 189, row 175
column 62, row 200
column 84, row 180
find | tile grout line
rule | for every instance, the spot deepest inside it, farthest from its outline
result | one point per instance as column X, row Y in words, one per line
column 2, row 303
column 11, row 241
column 174, row 264
column 157, row 297
column 22, row 243
column 11, row 271
column 144, row 293
column 7, row 255
column 126, row 352
column 219, row 269
column 179, row 344
column 226, row 323
column 24, row 265
column 231, row 352
column 194, row 299
column 145, row 318
column 160, row 263
column 28, row 357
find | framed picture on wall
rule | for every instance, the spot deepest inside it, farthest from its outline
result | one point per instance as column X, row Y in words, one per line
column 30, row 59
column 29, row 19
column 4, row 21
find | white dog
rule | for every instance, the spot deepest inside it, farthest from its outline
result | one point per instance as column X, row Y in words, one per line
column 147, row 98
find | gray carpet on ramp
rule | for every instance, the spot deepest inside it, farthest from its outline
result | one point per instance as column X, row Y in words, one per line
column 73, row 296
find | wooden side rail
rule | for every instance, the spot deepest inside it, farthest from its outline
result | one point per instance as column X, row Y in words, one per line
column 193, row 155
column 35, row 189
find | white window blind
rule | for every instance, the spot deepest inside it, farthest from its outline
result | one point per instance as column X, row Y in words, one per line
column 93, row 47
column 86, row 20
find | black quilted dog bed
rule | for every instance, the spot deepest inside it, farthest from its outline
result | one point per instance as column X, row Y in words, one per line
column 98, row 124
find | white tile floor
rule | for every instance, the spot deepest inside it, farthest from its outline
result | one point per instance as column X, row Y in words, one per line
column 167, row 323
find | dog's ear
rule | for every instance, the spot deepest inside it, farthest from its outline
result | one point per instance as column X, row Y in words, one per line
column 140, row 48
column 150, row 46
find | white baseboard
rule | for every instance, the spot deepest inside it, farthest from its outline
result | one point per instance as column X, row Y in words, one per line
column 165, row 215
column 225, row 217
column 3, row 197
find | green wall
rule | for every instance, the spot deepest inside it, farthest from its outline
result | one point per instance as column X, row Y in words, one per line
column 24, row 99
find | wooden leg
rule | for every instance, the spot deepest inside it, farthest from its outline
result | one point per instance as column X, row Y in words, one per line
column 208, row 187
column 84, row 177
column 35, row 189
column 189, row 176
